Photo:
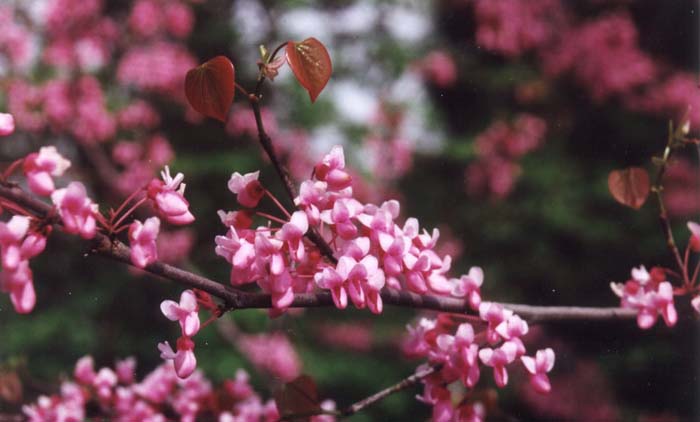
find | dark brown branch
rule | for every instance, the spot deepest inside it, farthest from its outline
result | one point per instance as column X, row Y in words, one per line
column 290, row 188
column 236, row 299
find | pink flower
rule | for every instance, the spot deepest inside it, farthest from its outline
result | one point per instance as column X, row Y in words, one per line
column 142, row 238
column 184, row 359
column 126, row 370
column 76, row 210
column 7, row 124
column 694, row 236
column 103, row 382
column 498, row 359
column 469, row 286
column 168, row 198
column 273, row 353
column 293, row 232
column 330, row 170
column 248, row 189
column 185, row 312
column 84, row 371
column 538, row 367
column 40, row 167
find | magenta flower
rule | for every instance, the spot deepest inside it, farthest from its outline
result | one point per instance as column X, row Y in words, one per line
column 184, row 359
column 41, row 167
column 142, row 238
column 293, row 232
column 330, row 279
column 538, row 367
column 16, row 248
column 185, row 312
column 7, row 124
column 344, row 210
column 247, row 188
column 469, row 286
column 498, row 359
column 168, row 196
column 76, row 210
column 84, row 371
column 330, row 170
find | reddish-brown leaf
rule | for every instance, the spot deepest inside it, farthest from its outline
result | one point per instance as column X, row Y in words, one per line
column 311, row 64
column 210, row 86
column 298, row 397
column 629, row 186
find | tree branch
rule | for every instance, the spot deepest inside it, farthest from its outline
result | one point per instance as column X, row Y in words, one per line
column 237, row 299
column 401, row 385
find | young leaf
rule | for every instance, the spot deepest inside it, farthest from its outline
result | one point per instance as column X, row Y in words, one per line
column 209, row 87
column 298, row 397
column 311, row 64
column 629, row 186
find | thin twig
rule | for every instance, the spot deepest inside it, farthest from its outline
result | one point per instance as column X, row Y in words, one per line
column 657, row 188
column 237, row 299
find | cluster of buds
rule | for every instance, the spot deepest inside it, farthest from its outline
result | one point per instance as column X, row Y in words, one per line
column 458, row 356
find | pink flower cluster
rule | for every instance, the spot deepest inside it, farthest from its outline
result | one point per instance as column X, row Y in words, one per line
column 272, row 353
column 372, row 251
column 458, row 357
column 78, row 36
column 114, row 393
column 19, row 243
column 650, row 294
column 512, row 27
column 76, row 107
column 603, row 56
column 498, row 149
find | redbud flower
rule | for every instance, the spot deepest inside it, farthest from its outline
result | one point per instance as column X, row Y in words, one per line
column 293, row 232
column 142, row 238
column 185, row 312
column 84, row 371
column 168, row 198
column 330, row 170
column 11, row 235
column 469, row 286
column 694, row 236
column 248, row 189
column 7, row 124
column 184, row 359
column 40, row 167
column 103, row 383
column 126, row 370
column 498, row 359
column 76, row 210
column 538, row 367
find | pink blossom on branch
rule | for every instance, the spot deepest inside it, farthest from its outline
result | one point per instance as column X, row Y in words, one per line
column 168, row 198
column 184, row 312
column 247, row 188
column 142, row 238
column 538, row 367
column 650, row 294
column 76, row 210
column 41, row 167
column 17, row 246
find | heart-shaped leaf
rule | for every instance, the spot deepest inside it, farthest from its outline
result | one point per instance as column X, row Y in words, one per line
column 629, row 186
column 297, row 398
column 209, row 87
column 311, row 64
